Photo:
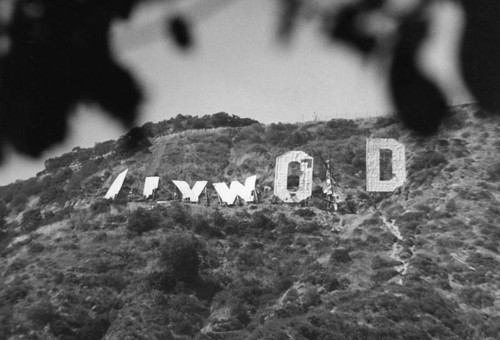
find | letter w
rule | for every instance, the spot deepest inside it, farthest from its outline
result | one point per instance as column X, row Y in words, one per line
column 228, row 195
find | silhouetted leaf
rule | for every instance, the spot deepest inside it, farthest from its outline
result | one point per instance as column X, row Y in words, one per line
column 344, row 26
column 134, row 141
column 179, row 29
column 418, row 100
column 480, row 52
column 289, row 14
column 60, row 56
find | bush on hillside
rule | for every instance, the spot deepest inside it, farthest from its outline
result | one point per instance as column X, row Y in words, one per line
column 477, row 297
column 428, row 159
column 141, row 221
column 384, row 274
column 250, row 134
column 31, row 220
column 379, row 262
column 18, row 202
column 340, row 255
column 4, row 212
column 179, row 256
column 134, row 141
column 178, row 213
column 218, row 219
column 278, row 134
column 304, row 212
column 100, row 206
column 202, row 226
column 494, row 171
column 41, row 313
column 260, row 221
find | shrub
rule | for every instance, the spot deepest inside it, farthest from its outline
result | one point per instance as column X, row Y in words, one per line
column 276, row 134
column 35, row 248
column 52, row 194
column 178, row 213
column 94, row 328
column 285, row 225
column 218, row 219
column 451, row 206
column 304, row 213
column 41, row 313
column 379, row 262
column 340, row 255
column 4, row 212
column 342, row 128
column 161, row 281
column 141, row 221
column 384, row 274
column 100, row 206
column 19, row 201
column 14, row 292
column 179, row 255
column 134, row 141
column 308, row 228
column 327, row 279
column 250, row 134
column 186, row 314
column 494, row 171
column 202, row 226
column 428, row 159
column 260, row 221
column 311, row 298
column 477, row 297
column 31, row 220
column 385, row 121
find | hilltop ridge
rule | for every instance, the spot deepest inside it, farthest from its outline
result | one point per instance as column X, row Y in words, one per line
column 421, row 262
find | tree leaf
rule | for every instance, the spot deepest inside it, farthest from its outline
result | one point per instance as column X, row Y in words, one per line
column 480, row 52
column 343, row 27
column 290, row 10
column 179, row 30
column 419, row 102
column 60, row 56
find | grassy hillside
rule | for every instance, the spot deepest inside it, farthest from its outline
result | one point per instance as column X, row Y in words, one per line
column 422, row 262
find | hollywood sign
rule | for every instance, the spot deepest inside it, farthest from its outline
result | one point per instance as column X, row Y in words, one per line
column 246, row 192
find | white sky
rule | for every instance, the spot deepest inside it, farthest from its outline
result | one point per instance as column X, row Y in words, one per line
column 236, row 67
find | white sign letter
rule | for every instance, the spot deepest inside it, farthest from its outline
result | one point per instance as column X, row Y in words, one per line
column 116, row 186
column 228, row 195
column 187, row 192
column 373, row 147
column 150, row 185
column 305, row 178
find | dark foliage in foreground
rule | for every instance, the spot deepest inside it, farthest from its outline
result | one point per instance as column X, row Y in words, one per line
column 56, row 55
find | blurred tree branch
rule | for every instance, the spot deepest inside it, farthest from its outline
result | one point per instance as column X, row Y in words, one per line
column 55, row 54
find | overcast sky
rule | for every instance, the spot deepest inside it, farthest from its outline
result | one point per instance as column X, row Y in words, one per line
column 237, row 67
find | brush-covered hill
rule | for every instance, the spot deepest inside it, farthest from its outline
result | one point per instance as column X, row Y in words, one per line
column 421, row 262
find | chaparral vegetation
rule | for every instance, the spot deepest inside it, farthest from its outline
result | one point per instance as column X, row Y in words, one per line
column 422, row 262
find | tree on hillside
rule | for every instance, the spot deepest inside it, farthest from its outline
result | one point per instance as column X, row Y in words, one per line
column 4, row 211
column 55, row 54
column 179, row 256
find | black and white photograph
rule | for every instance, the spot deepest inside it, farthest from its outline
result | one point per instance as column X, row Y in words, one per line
column 249, row 169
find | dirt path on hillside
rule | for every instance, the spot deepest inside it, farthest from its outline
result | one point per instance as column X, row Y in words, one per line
column 154, row 163
column 397, row 249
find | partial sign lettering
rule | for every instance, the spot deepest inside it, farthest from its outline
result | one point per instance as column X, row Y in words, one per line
column 190, row 194
column 305, row 180
column 150, row 185
column 373, row 147
column 116, row 186
column 228, row 194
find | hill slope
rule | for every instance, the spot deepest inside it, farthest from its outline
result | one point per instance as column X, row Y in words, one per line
column 419, row 263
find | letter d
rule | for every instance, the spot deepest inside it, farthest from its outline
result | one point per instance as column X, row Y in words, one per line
column 373, row 147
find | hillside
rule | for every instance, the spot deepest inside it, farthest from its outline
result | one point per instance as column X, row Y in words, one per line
column 422, row 262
